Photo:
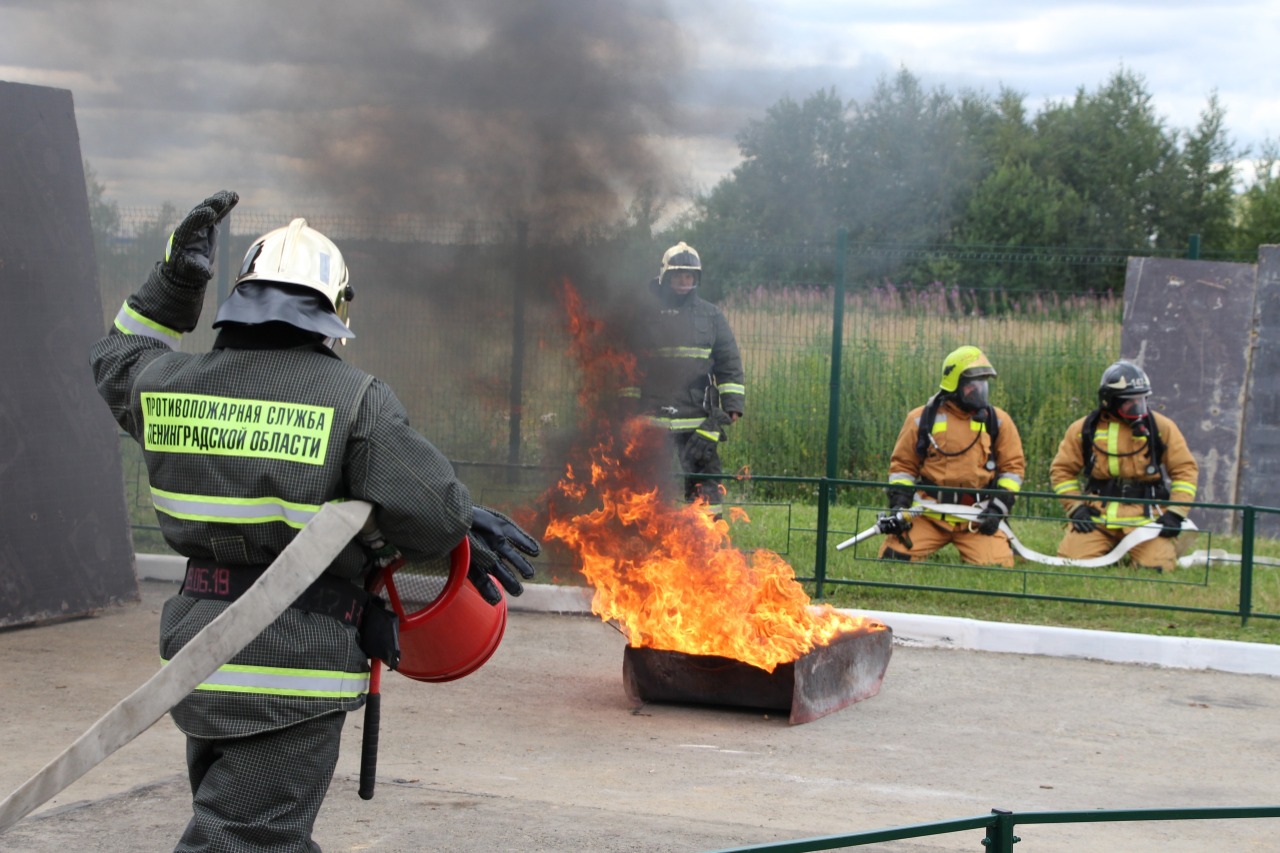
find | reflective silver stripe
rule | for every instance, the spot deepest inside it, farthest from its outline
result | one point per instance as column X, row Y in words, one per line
column 685, row 352
column 677, row 423
column 132, row 323
column 232, row 510
column 282, row 681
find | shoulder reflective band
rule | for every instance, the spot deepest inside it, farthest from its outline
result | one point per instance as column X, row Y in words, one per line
column 685, row 352
column 227, row 426
column 282, row 681
column 232, row 510
column 131, row 322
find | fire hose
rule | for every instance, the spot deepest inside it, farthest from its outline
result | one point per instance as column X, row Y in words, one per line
column 1135, row 537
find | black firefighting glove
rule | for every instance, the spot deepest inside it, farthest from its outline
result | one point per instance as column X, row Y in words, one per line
column 497, row 543
column 900, row 498
column 1082, row 518
column 188, row 258
column 996, row 511
column 701, row 448
column 893, row 523
column 1172, row 523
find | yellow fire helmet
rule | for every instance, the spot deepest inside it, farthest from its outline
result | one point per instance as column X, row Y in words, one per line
column 294, row 275
column 681, row 256
column 967, row 361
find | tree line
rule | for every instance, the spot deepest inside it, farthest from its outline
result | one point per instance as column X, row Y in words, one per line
column 976, row 191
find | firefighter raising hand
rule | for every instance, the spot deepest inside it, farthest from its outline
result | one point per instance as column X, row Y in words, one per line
column 496, row 546
column 188, row 258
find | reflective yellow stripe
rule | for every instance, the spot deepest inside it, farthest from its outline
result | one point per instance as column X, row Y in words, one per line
column 711, row 435
column 1113, row 442
column 685, row 352
column 232, row 510
column 131, row 322
column 1010, row 482
column 732, row 388
column 630, row 391
column 896, row 479
column 939, row 423
column 230, row 426
column 1068, row 486
column 283, row 681
column 1183, row 486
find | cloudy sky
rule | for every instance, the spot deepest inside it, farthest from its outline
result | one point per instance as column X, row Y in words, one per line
column 563, row 108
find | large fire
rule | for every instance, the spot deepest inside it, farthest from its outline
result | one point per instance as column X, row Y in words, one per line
column 665, row 571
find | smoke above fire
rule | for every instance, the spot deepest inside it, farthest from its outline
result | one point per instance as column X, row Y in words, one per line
column 542, row 110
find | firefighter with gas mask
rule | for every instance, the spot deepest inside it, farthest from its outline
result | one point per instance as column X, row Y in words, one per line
column 689, row 373
column 958, row 440
column 1121, row 450
column 243, row 444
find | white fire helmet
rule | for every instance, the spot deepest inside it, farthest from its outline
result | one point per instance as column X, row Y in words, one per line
column 681, row 256
column 307, row 263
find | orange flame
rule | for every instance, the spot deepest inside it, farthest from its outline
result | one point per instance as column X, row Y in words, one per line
column 666, row 572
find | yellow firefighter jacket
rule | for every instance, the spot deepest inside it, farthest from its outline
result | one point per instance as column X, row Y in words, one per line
column 959, row 454
column 1123, row 467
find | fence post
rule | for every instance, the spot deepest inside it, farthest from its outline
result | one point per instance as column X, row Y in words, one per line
column 1000, row 837
column 1193, row 248
column 833, row 414
column 1246, row 566
column 515, row 401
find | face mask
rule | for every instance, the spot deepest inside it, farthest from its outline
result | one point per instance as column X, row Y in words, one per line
column 973, row 393
column 1131, row 408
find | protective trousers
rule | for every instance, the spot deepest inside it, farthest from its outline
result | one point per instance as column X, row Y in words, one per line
column 695, row 487
column 260, row 793
column 927, row 535
column 1158, row 554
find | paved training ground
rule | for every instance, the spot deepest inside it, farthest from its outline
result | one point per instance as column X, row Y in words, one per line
column 539, row 750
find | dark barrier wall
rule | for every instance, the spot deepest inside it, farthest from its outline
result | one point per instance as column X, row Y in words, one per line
column 1190, row 325
column 1260, row 454
column 64, row 535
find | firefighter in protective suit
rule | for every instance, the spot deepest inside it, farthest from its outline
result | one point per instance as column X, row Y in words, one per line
column 243, row 444
column 1123, row 450
column 690, row 372
column 957, row 440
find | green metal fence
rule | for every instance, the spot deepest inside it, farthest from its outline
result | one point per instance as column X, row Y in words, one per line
column 466, row 321
column 999, row 827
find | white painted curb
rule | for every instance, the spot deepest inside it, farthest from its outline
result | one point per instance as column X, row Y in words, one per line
column 944, row 632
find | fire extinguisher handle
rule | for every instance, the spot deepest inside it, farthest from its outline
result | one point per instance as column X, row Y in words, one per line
column 369, row 745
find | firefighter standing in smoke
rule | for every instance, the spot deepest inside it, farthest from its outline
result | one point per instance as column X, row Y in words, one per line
column 1122, row 449
column 243, row 445
column 690, row 372
column 957, row 440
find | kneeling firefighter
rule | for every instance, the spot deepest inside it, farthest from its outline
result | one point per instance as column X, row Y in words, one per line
column 958, row 440
column 243, row 444
column 1121, row 450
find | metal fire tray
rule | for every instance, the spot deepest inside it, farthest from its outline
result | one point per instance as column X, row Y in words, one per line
column 823, row 680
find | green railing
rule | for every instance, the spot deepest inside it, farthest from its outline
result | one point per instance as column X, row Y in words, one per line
column 999, row 826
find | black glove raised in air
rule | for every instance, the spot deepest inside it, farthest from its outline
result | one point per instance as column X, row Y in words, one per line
column 995, row 511
column 1082, row 518
column 188, row 258
column 497, row 543
column 1172, row 523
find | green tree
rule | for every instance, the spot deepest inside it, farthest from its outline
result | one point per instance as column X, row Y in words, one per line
column 1259, row 222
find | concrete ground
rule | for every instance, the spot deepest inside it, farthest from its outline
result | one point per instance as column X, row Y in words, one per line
column 540, row 751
